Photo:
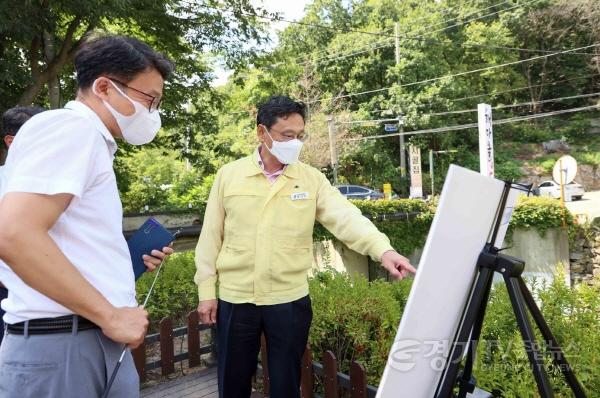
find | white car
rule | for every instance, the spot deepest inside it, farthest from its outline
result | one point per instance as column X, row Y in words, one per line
column 573, row 190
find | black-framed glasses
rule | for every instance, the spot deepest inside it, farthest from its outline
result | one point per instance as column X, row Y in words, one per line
column 154, row 101
column 301, row 137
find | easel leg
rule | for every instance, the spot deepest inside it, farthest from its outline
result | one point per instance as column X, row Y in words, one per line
column 466, row 382
column 536, row 358
column 473, row 314
column 557, row 355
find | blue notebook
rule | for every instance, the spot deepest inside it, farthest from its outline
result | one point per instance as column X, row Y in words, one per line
column 150, row 236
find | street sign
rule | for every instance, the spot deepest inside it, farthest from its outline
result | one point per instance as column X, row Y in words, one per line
column 416, row 181
column 391, row 128
column 567, row 165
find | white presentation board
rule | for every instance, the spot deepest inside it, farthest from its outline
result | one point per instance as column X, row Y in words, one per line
column 461, row 227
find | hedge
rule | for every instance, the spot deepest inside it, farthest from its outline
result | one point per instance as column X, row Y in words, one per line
column 358, row 319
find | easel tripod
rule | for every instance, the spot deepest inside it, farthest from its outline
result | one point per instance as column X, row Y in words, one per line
column 491, row 261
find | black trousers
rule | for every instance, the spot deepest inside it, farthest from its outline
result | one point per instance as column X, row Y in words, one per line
column 239, row 327
column 3, row 295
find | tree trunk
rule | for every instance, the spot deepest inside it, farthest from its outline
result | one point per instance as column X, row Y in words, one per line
column 53, row 82
column 52, row 70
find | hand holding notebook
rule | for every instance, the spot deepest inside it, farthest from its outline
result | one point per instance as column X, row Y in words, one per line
column 150, row 236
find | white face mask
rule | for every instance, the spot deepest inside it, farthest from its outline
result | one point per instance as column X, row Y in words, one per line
column 139, row 128
column 287, row 152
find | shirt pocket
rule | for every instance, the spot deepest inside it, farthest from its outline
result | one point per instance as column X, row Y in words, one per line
column 242, row 208
column 296, row 217
column 291, row 259
column 235, row 263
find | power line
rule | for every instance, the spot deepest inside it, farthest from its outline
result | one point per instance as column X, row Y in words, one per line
column 475, row 125
column 463, row 111
column 484, row 16
column 343, row 55
column 385, row 32
column 452, row 100
column 531, row 103
column 520, row 89
column 456, row 74
column 531, row 50
column 368, row 121
column 426, row 28
column 334, row 57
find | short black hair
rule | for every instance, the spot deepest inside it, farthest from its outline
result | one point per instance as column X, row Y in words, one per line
column 276, row 107
column 119, row 57
column 14, row 118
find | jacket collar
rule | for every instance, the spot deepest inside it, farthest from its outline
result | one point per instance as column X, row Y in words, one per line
column 291, row 170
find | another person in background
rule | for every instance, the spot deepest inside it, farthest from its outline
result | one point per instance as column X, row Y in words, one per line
column 72, row 303
column 12, row 120
column 255, row 249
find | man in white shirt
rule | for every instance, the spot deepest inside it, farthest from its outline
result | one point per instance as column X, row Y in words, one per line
column 12, row 120
column 72, row 303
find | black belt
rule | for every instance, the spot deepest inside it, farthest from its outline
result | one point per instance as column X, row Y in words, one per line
column 63, row 324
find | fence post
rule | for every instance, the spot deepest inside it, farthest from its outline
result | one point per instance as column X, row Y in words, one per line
column 265, row 365
column 330, row 368
column 307, row 378
column 214, row 348
column 167, row 355
column 358, row 381
column 139, row 358
column 193, row 342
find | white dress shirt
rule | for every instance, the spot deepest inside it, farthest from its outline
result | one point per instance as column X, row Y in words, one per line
column 71, row 151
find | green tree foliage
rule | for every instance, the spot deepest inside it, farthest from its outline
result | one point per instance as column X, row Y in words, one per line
column 38, row 40
column 156, row 180
column 340, row 48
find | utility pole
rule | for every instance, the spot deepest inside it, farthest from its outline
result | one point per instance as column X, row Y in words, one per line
column 400, row 121
column 332, row 147
column 431, row 153
column 431, row 170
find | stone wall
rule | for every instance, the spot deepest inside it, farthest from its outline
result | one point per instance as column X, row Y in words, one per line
column 585, row 254
column 542, row 253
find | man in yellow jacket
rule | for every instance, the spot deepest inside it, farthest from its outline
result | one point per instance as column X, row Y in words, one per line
column 255, row 249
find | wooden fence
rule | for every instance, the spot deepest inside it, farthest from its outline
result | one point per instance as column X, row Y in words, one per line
column 333, row 382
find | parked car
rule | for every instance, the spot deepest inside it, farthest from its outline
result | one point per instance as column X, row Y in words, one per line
column 573, row 190
column 359, row 192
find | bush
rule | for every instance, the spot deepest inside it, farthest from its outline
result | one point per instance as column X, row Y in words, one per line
column 572, row 314
column 358, row 320
column 175, row 293
column 531, row 132
column 405, row 235
column 509, row 170
column 541, row 213
column 355, row 319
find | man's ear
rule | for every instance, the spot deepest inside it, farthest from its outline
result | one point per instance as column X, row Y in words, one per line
column 260, row 133
column 101, row 87
column 8, row 140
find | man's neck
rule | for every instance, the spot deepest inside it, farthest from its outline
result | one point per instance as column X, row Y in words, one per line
column 270, row 162
column 96, row 105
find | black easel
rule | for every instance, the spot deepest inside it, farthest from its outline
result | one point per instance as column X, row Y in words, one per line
column 491, row 261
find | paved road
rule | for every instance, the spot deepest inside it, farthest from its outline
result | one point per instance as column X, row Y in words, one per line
column 589, row 204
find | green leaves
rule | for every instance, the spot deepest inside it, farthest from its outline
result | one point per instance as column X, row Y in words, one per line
column 356, row 319
column 541, row 213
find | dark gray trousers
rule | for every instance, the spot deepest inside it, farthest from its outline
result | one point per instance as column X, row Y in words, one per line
column 64, row 365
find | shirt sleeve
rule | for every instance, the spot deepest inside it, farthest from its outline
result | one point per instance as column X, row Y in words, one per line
column 210, row 242
column 54, row 160
column 346, row 222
